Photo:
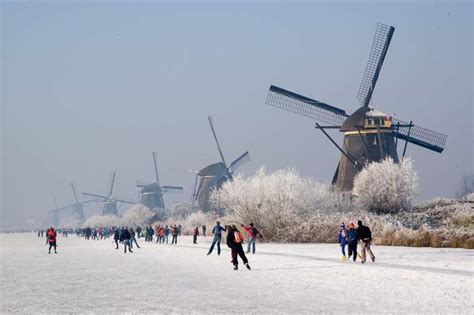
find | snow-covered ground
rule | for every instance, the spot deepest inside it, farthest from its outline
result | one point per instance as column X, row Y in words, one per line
column 93, row 277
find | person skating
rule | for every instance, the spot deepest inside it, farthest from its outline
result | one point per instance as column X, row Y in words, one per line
column 252, row 233
column 217, row 231
column 204, row 230
column 342, row 239
column 365, row 236
column 133, row 239
column 116, row 238
column 195, row 235
column 174, row 234
column 352, row 242
column 125, row 239
column 139, row 231
column 167, row 233
column 234, row 242
column 51, row 235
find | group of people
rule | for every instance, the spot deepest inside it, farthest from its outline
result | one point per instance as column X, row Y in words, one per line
column 349, row 237
column 354, row 236
column 234, row 241
column 162, row 233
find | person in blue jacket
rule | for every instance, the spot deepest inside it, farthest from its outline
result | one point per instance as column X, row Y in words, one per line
column 352, row 242
column 217, row 231
column 342, row 239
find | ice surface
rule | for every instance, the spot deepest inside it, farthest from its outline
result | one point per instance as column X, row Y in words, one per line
column 93, row 277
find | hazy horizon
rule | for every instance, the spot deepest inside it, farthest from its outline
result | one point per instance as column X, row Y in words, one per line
column 92, row 88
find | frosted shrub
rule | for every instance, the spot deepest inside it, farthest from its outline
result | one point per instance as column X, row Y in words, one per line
column 278, row 203
column 102, row 221
column 137, row 215
column 386, row 187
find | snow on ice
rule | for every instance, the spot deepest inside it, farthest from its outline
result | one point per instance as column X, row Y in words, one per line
column 93, row 277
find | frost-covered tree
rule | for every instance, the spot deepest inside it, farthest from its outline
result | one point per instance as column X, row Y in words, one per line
column 137, row 215
column 465, row 187
column 102, row 221
column 386, row 187
column 279, row 202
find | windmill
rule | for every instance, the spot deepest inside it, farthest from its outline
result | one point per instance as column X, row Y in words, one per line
column 77, row 208
column 369, row 135
column 109, row 202
column 151, row 195
column 214, row 175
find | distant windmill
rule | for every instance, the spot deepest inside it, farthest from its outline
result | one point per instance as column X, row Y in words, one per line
column 151, row 195
column 213, row 176
column 77, row 208
column 369, row 135
column 109, row 202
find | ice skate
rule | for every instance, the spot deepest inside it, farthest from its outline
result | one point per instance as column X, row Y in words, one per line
column 248, row 266
column 236, row 267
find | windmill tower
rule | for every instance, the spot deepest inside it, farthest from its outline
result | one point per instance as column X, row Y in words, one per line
column 77, row 208
column 369, row 135
column 214, row 175
column 109, row 203
column 151, row 195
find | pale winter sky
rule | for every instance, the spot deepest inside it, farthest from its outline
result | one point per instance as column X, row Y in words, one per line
column 88, row 88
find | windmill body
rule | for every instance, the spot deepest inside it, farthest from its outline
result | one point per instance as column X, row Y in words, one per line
column 368, row 138
column 213, row 176
column 109, row 203
column 369, row 135
column 77, row 209
column 151, row 195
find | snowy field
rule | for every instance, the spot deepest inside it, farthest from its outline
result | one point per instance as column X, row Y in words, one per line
column 93, row 277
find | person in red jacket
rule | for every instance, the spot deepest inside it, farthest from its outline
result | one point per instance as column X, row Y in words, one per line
column 252, row 233
column 52, row 239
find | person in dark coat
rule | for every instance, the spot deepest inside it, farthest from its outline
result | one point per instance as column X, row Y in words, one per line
column 235, row 240
column 203, row 230
column 174, row 234
column 352, row 242
column 195, row 235
column 116, row 238
column 364, row 235
column 125, row 238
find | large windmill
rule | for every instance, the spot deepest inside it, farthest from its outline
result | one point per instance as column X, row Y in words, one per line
column 109, row 203
column 77, row 208
column 369, row 135
column 213, row 176
column 151, row 195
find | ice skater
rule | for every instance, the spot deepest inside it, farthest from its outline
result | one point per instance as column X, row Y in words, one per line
column 217, row 231
column 365, row 236
column 174, row 234
column 252, row 233
column 125, row 239
column 116, row 238
column 352, row 242
column 133, row 239
column 195, row 235
column 51, row 235
column 342, row 239
column 234, row 242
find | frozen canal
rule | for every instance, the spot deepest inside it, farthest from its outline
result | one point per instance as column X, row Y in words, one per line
column 93, row 277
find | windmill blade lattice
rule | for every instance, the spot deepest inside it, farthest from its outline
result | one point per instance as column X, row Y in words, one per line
column 423, row 137
column 304, row 106
column 382, row 38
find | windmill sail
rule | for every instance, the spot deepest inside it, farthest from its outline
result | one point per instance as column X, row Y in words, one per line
column 382, row 38
column 239, row 161
column 304, row 106
column 423, row 137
